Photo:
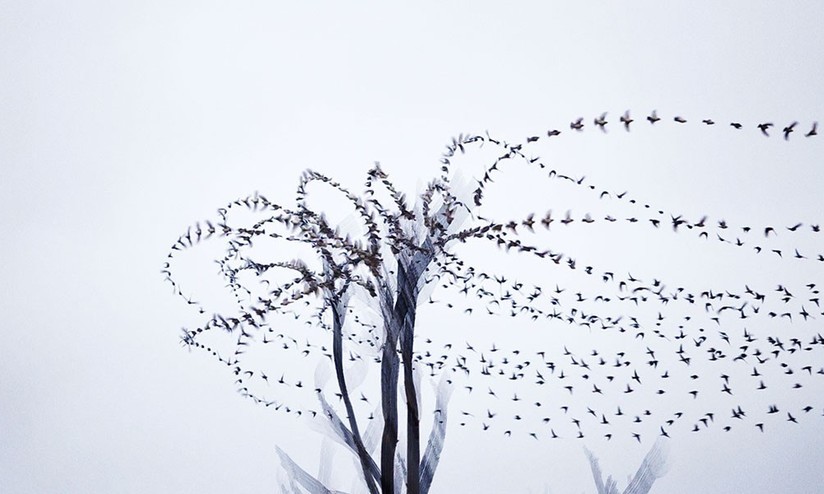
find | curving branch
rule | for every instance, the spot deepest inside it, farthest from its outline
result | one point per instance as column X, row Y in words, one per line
column 299, row 475
column 653, row 467
column 437, row 436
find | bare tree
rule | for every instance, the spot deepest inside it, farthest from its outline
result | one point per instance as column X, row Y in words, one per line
column 387, row 267
column 402, row 249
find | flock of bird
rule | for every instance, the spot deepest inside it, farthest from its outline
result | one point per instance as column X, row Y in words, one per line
column 672, row 346
column 725, row 346
column 626, row 120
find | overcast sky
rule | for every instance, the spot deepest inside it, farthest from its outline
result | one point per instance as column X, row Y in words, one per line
column 121, row 123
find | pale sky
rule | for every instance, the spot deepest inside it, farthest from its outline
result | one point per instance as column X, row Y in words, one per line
column 123, row 123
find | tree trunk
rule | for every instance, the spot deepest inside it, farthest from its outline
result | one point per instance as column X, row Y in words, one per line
column 413, row 420
column 369, row 474
column 409, row 271
column 389, row 402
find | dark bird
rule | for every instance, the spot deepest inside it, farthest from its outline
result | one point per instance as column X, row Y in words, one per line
column 626, row 120
column 577, row 124
column 601, row 122
column 765, row 127
column 735, row 125
column 653, row 117
column 788, row 130
column 680, row 119
column 813, row 131
column 547, row 220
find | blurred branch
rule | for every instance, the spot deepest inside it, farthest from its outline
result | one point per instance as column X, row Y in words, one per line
column 653, row 467
column 296, row 473
column 437, row 435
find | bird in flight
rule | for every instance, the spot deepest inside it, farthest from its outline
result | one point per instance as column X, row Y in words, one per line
column 626, row 120
column 788, row 130
column 601, row 122
column 577, row 124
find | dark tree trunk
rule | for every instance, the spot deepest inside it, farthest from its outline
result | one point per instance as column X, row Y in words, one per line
column 389, row 391
column 367, row 464
column 413, row 423
column 399, row 322
column 409, row 270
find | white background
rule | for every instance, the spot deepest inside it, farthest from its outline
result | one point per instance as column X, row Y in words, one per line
column 121, row 123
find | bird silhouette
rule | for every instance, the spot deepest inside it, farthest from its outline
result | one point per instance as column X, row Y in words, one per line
column 626, row 120
column 788, row 130
column 601, row 122
column 577, row 124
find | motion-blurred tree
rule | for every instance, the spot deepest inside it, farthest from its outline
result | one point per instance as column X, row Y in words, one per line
column 387, row 268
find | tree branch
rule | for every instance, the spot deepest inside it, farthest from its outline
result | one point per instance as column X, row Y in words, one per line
column 652, row 468
column 295, row 472
column 434, row 446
